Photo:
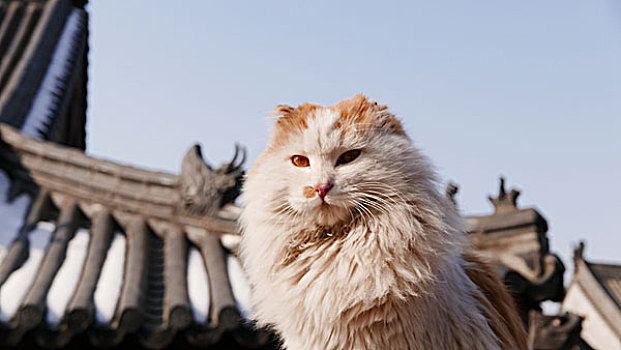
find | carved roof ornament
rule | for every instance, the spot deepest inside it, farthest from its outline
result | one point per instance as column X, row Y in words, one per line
column 578, row 253
column 203, row 189
column 451, row 191
column 505, row 201
column 579, row 250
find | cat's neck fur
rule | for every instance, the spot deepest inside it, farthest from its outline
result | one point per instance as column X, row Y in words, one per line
column 369, row 278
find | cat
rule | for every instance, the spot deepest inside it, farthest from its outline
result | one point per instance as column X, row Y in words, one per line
column 347, row 243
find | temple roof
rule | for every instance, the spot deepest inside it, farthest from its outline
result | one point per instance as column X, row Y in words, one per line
column 93, row 247
column 43, row 50
column 610, row 278
column 508, row 218
column 515, row 240
column 600, row 284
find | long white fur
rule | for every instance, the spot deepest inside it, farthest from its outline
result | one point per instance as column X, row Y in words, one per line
column 390, row 278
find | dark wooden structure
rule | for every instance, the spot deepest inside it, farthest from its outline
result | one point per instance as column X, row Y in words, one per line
column 43, row 68
column 515, row 239
column 160, row 221
column 161, row 217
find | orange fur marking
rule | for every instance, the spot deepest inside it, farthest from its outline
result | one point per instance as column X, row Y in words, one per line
column 499, row 306
column 356, row 112
column 360, row 113
column 292, row 120
column 309, row 191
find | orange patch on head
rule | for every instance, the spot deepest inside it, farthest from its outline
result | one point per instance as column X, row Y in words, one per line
column 309, row 191
column 292, row 120
column 358, row 112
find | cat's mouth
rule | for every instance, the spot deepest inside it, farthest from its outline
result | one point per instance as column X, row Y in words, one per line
column 328, row 204
column 323, row 207
column 329, row 213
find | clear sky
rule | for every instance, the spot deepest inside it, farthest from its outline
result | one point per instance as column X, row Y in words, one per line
column 526, row 89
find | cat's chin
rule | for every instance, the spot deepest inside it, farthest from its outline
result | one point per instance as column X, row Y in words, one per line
column 328, row 214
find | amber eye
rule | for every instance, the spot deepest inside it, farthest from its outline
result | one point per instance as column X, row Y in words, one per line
column 348, row 156
column 300, row 161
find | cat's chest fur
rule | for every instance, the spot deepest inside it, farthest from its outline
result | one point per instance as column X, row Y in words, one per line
column 349, row 288
column 355, row 257
column 349, row 257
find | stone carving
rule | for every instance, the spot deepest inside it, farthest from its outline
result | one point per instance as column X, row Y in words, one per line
column 204, row 190
column 578, row 253
column 505, row 201
column 451, row 191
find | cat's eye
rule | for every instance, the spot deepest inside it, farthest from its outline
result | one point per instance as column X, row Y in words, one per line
column 348, row 156
column 300, row 161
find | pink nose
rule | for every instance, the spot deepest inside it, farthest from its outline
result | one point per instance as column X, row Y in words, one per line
column 322, row 190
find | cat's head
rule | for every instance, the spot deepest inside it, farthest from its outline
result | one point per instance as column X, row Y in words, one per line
column 325, row 165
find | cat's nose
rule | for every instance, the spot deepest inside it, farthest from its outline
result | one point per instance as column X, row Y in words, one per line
column 322, row 190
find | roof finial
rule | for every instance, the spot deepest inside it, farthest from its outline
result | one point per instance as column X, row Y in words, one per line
column 504, row 202
column 501, row 191
column 579, row 251
column 451, row 191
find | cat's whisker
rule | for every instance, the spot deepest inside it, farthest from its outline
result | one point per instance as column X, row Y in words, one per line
column 369, row 204
column 350, row 209
column 363, row 210
column 282, row 212
column 382, row 197
column 281, row 208
column 391, row 197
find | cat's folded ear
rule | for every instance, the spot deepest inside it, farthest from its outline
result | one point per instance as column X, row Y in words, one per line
column 390, row 121
column 289, row 120
column 371, row 115
column 283, row 110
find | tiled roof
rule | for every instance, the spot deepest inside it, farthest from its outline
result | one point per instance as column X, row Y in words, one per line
column 594, row 293
column 94, row 248
column 610, row 277
column 43, row 46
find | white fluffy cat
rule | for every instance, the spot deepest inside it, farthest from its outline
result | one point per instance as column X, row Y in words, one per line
column 348, row 244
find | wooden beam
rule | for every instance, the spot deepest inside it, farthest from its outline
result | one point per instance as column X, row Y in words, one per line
column 20, row 88
column 80, row 312
column 13, row 13
column 32, row 310
column 177, row 310
column 20, row 40
column 69, row 171
column 130, row 310
column 155, row 289
column 224, row 312
column 20, row 247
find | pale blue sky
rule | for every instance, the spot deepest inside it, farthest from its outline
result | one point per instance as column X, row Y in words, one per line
column 527, row 89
